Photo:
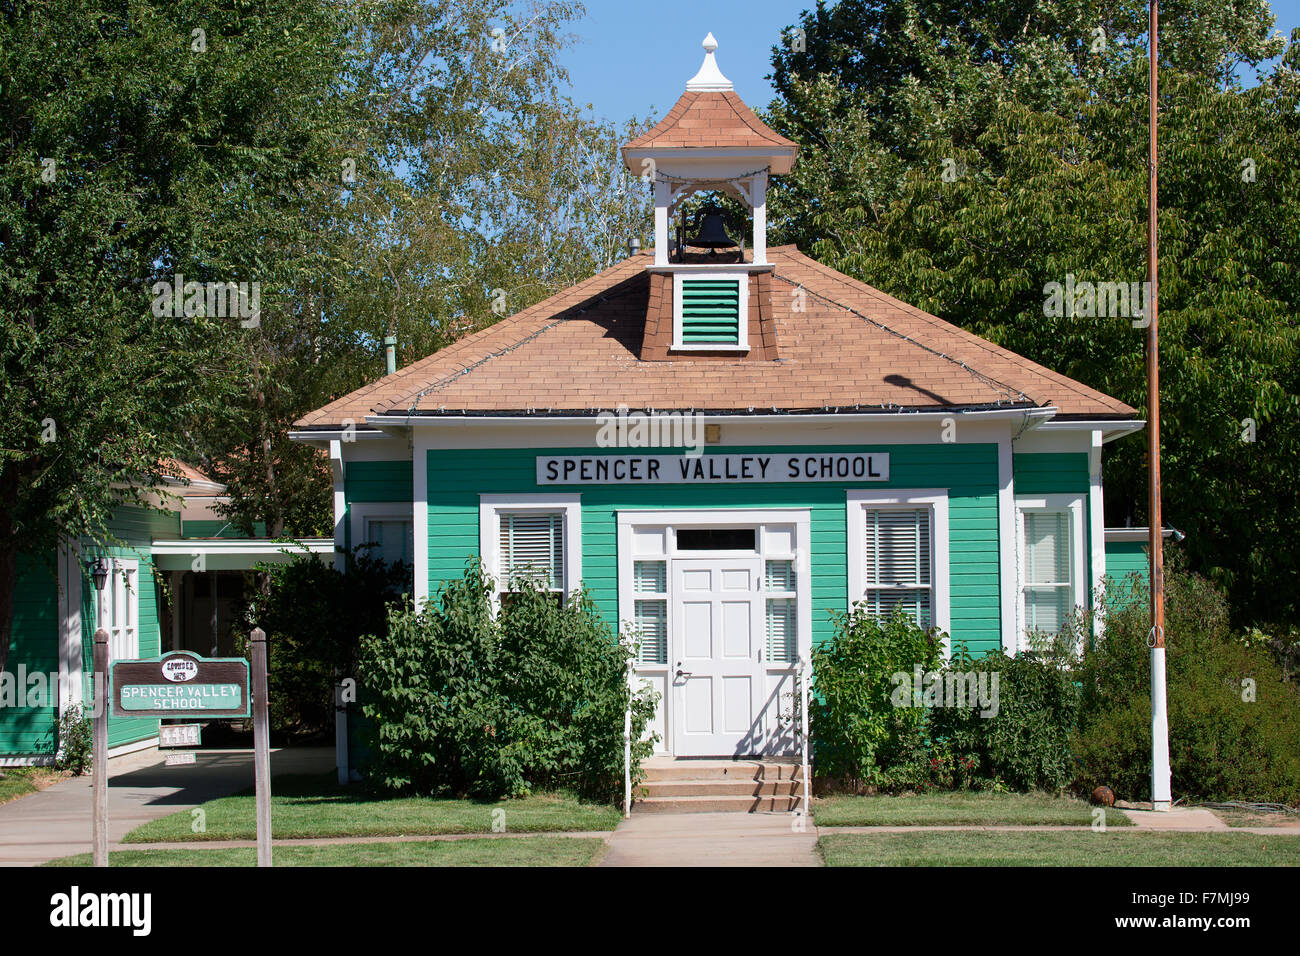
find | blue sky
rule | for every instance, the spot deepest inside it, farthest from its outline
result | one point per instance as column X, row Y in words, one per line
column 634, row 59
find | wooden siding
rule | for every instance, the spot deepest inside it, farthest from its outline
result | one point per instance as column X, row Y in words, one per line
column 28, row 731
column 969, row 472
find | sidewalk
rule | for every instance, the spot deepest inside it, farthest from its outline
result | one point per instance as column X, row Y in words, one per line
column 57, row 821
column 711, row 839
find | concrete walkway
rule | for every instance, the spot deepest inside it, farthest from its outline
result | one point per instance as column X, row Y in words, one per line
column 57, row 821
column 1188, row 819
column 712, row 839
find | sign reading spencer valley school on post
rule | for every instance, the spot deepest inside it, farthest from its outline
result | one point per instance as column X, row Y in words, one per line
column 710, row 469
column 180, row 683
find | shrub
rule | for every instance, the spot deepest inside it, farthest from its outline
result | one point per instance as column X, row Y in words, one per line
column 313, row 617
column 1223, row 746
column 75, row 738
column 857, row 730
column 1024, row 743
column 459, row 701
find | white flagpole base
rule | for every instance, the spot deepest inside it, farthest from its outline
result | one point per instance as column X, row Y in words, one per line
column 1161, row 790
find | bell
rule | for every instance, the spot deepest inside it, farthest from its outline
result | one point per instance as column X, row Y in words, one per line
column 712, row 230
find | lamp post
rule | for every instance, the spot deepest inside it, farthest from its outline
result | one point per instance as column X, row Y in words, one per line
column 98, row 569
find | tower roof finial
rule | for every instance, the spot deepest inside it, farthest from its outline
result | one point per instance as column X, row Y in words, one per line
column 709, row 77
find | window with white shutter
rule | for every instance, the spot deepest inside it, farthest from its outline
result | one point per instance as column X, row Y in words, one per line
column 121, row 614
column 531, row 537
column 782, row 612
column 1051, row 561
column 532, row 547
column 896, row 563
column 898, row 554
column 650, row 610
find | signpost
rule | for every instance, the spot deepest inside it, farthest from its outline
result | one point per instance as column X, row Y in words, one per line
column 181, row 683
column 173, row 685
column 99, row 750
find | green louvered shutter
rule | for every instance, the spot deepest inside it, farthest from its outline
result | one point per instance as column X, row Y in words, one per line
column 710, row 311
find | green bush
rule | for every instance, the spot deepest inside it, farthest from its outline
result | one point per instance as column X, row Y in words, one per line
column 1223, row 746
column 1024, row 742
column 75, row 739
column 460, row 702
column 313, row 617
column 857, row 731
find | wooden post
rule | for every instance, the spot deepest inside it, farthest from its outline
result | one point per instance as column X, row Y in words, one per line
column 261, row 746
column 99, row 749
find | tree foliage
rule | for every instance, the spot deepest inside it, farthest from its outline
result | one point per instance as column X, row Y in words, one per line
column 963, row 157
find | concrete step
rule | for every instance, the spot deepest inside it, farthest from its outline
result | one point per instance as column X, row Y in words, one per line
column 720, row 787
column 657, row 769
column 715, row 804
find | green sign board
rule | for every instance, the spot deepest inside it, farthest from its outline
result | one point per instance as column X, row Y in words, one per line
column 180, row 683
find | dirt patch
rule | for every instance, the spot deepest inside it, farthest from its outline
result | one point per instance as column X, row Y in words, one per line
column 1246, row 818
column 18, row 782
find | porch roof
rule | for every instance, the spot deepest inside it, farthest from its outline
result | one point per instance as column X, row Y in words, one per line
column 235, row 554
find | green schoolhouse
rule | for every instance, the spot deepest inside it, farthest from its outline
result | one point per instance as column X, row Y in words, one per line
column 727, row 442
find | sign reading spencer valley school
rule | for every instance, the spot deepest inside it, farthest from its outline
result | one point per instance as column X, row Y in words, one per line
column 180, row 683
column 708, row 469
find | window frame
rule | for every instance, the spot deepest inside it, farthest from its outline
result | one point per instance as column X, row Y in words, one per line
column 360, row 514
column 860, row 501
column 122, row 592
column 742, row 331
column 491, row 508
column 1073, row 504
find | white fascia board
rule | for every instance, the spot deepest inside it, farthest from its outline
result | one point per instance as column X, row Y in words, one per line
column 703, row 161
column 1133, row 534
column 233, row 554
column 324, row 436
column 1109, row 428
column 817, row 418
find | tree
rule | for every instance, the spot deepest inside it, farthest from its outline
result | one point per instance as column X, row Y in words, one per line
column 141, row 140
column 963, row 162
column 464, row 186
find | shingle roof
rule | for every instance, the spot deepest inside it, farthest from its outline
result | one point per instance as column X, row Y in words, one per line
column 839, row 344
column 710, row 119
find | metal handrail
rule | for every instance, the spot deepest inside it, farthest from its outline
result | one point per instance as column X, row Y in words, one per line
column 627, row 739
column 803, row 734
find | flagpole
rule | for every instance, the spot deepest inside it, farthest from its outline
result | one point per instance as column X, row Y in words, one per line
column 1160, row 774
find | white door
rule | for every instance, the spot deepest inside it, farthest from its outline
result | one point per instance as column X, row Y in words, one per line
column 716, row 646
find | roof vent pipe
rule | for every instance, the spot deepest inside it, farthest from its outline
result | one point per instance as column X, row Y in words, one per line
column 390, row 353
column 633, row 246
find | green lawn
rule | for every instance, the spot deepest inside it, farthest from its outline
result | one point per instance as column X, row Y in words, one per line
column 963, row 808
column 1058, row 848
column 523, row 851
column 304, row 807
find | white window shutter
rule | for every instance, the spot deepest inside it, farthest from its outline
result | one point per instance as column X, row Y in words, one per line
column 532, row 544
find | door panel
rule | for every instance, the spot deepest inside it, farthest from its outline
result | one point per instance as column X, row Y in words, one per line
column 716, row 651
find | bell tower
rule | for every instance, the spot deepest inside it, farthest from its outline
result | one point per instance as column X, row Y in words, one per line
column 710, row 140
